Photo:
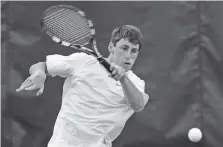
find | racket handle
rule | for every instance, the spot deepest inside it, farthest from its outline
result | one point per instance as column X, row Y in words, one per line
column 105, row 63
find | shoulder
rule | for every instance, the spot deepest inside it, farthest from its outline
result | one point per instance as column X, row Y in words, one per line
column 74, row 56
column 137, row 81
column 80, row 55
column 131, row 75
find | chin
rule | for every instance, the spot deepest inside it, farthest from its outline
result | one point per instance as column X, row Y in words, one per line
column 127, row 69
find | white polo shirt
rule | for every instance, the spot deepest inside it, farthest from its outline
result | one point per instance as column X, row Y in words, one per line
column 94, row 109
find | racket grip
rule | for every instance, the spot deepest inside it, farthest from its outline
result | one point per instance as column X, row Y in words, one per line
column 105, row 63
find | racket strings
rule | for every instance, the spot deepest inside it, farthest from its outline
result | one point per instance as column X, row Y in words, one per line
column 68, row 26
column 60, row 29
column 67, row 13
column 68, row 32
column 69, row 19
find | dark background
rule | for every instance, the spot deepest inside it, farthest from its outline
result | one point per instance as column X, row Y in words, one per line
column 181, row 62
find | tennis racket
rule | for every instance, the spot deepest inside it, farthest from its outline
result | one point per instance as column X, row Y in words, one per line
column 69, row 26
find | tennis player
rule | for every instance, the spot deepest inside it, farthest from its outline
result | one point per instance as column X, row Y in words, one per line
column 95, row 104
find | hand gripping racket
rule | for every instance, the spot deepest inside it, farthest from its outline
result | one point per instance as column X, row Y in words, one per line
column 70, row 27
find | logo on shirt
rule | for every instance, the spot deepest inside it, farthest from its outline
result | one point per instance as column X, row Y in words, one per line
column 118, row 84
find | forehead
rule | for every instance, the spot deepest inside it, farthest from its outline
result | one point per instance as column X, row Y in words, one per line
column 125, row 42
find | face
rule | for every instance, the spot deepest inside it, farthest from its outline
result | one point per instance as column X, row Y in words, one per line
column 124, row 53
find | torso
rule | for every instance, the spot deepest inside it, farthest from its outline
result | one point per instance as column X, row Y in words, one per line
column 94, row 100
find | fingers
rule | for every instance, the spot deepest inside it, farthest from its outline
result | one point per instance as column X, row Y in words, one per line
column 40, row 91
column 28, row 84
column 118, row 76
column 26, row 87
column 33, row 87
column 34, row 82
column 114, row 70
column 25, row 84
column 26, row 81
column 117, row 72
column 19, row 89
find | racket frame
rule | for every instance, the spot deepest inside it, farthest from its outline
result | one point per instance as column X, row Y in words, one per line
column 78, row 47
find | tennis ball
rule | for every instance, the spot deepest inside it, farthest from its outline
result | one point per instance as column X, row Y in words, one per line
column 195, row 134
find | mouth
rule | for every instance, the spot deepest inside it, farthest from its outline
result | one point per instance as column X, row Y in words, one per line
column 127, row 63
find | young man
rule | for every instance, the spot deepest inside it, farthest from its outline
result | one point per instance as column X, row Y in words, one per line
column 95, row 104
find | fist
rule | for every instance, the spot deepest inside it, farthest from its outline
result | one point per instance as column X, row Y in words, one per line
column 117, row 72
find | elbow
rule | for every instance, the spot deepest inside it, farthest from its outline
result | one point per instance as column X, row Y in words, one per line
column 141, row 105
column 138, row 108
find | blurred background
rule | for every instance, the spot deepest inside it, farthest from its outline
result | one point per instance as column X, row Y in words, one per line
column 181, row 63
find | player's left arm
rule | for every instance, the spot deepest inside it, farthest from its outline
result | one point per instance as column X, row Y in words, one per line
column 135, row 97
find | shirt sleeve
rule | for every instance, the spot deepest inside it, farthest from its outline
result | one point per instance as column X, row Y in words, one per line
column 64, row 66
column 139, row 83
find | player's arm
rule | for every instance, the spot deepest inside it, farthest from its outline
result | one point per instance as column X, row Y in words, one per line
column 55, row 65
column 36, row 79
column 38, row 67
column 135, row 98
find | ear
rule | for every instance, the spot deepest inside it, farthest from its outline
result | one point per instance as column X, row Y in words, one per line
column 111, row 47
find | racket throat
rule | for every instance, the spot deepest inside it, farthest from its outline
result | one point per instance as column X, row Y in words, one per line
column 100, row 59
column 105, row 63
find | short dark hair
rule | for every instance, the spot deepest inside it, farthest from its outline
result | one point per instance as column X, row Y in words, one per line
column 129, row 32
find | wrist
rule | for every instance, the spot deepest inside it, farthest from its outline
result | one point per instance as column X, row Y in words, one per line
column 123, row 78
column 40, row 74
column 37, row 68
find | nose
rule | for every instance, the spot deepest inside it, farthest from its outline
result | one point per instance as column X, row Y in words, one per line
column 127, row 55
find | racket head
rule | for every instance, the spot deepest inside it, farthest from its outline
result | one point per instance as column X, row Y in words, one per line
column 67, row 25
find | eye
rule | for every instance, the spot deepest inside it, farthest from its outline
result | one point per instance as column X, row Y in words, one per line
column 134, row 51
column 124, row 48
